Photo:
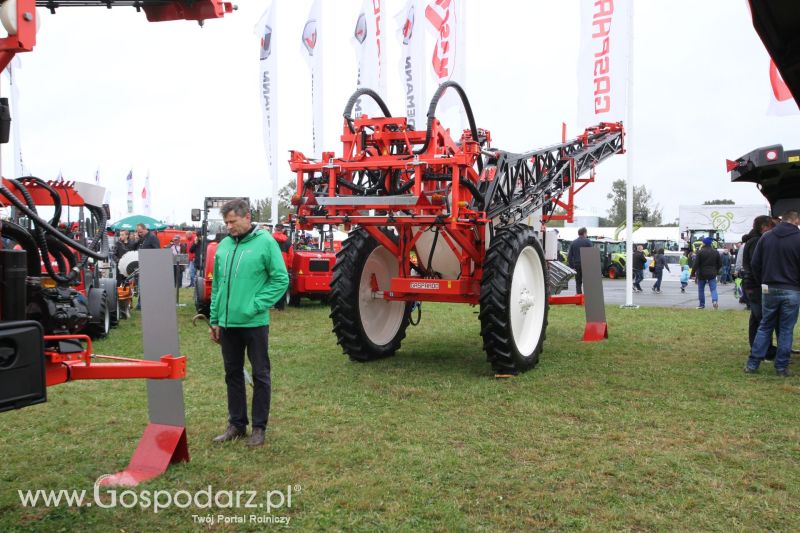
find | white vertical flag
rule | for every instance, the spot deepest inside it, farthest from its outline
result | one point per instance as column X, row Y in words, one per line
column 312, row 31
column 781, row 102
column 603, row 61
column 269, row 100
column 445, row 20
column 146, row 194
column 11, row 72
column 412, row 62
column 369, row 40
column 129, row 181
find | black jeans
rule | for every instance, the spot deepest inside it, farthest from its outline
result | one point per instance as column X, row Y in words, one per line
column 754, row 296
column 578, row 280
column 234, row 341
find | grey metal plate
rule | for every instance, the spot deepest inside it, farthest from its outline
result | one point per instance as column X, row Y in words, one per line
column 367, row 200
column 160, row 334
column 594, row 301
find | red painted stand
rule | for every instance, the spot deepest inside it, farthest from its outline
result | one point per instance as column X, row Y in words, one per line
column 160, row 446
column 570, row 299
column 595, row 331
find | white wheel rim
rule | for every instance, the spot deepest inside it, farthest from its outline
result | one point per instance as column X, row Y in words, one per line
column 381, row 319
column 527, row 301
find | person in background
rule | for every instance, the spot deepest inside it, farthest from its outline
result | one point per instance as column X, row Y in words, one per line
column 684, row 277
column 639, row 260
column 705, row 270
column 191, row 238
column 776, row 266
column 725, row 273
column 175, row 248
column 147, row 241
column 750, row 286
column 660, row 263
column 281, row 238
column 574, row 258
column 121, row 247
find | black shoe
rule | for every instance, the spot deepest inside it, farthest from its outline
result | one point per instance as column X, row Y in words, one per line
column 257, row 438
column 232, row 433
column 748, row 370
column 785, row 373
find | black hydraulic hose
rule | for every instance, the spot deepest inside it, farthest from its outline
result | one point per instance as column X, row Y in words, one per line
column 63, row 250
column 53, row 194
column 348, row 108
column 23, row 237
column 474, row 190
column 99, row 237
column 433, row 249
column 60, row 277
column 432, row 115
column 54, row 231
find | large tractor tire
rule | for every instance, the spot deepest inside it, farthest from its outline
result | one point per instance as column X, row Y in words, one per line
column 367, row 328
column 110, row 285
column 100, row 321
column 514, row 300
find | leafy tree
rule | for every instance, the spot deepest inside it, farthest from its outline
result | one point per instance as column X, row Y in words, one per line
column 262, row 208
column 642, row 203
column 719, row 202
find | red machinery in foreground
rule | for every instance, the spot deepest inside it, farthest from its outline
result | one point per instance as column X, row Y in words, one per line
column 29, row 359
column 444, row 221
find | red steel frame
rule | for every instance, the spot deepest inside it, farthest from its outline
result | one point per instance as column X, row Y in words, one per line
column 61, row 367
column 387, row 145
column 461, row 228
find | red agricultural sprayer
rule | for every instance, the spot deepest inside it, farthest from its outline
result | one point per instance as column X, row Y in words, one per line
column 444, row 221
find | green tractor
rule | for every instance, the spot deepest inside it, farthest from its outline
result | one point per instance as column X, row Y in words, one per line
column 612, row 257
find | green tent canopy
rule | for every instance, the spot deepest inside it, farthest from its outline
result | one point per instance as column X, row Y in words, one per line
column 130, row 223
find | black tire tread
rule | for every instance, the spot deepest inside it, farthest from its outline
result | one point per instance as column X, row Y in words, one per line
column 498, row 267
column 343, row 300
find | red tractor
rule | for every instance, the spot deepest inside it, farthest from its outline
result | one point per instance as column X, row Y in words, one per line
column 309, row 259
column 443, row 221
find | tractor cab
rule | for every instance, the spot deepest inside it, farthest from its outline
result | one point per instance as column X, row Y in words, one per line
column 612, row 257
column 309, row 261
column 695, row 238
column 653, row 245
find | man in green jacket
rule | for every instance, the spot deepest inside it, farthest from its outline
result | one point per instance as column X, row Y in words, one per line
column 249, row 277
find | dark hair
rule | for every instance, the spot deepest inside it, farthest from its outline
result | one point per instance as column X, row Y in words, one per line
column 660, row 251
column 762, row 221
column 582, row 232
column 239, row 206
column 140, row 225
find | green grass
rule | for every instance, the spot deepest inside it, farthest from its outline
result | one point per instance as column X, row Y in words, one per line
column 656, row 428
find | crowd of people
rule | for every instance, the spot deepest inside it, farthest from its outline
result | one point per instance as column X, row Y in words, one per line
column 764, row 267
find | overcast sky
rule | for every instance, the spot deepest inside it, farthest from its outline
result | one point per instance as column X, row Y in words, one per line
column 106, row 89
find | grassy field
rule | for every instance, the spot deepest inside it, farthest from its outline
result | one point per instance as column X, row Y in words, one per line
column 656, row 428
